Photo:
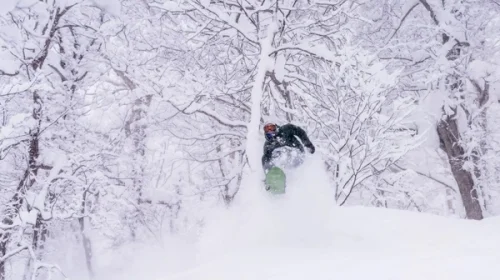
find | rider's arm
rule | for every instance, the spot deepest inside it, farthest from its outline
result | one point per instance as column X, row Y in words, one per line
column 303, row 137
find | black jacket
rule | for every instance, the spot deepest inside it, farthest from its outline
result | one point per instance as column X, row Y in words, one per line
column 286, row 136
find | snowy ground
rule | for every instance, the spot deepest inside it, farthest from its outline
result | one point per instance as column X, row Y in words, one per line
column 302, row 236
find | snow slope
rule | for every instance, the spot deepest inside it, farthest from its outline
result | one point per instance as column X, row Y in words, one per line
column 302, row 236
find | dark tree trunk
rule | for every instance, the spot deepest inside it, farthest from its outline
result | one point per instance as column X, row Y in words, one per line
column 24, row 185
column 449, row 136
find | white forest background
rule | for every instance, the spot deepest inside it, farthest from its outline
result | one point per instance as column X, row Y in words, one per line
column 122, row 121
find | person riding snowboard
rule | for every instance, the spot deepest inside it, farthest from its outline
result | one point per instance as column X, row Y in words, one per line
column 284, row 136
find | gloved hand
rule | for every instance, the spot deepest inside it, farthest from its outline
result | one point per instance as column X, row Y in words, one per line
column 311, row 149
column 266, row 167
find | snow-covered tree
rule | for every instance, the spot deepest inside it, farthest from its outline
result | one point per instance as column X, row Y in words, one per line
column 285, row 60
column 53, row 170
column 121, row 120
column 447, row 65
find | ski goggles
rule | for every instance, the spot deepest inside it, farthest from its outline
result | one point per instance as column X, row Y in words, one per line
column 270, row 135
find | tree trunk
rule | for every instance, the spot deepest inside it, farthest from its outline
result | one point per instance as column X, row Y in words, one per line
column 87, row 245
column 449, row 136
column 448, row 133
column 24, row 185
column 135, row 128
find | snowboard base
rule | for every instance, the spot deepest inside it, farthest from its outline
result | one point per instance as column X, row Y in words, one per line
column 275, row 181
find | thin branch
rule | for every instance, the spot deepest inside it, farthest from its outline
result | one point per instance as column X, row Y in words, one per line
column 63, row 79
column 429, row 177
column 402, row 21
column 431, row 11
column 8, row 74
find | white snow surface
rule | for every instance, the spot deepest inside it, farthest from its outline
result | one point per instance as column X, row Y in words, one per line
column 8, row 6
column 111, row 6
column 302, row 235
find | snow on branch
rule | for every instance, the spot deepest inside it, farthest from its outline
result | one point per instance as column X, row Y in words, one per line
column 220, row 119
column 14, row 252
column 218, row 15
column 37, row 264
column 3, row 73
column 402, row 21
column 445, row 20
column 210, row 113
column 320, row 51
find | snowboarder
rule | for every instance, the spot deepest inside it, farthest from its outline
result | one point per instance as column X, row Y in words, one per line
column 284, row 136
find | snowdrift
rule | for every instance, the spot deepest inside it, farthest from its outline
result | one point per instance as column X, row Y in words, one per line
column 303, row 236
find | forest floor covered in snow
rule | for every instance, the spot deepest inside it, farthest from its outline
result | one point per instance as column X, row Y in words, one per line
column 302, row 236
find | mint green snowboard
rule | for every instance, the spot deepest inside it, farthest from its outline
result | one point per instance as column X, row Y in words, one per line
column 275, row 181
